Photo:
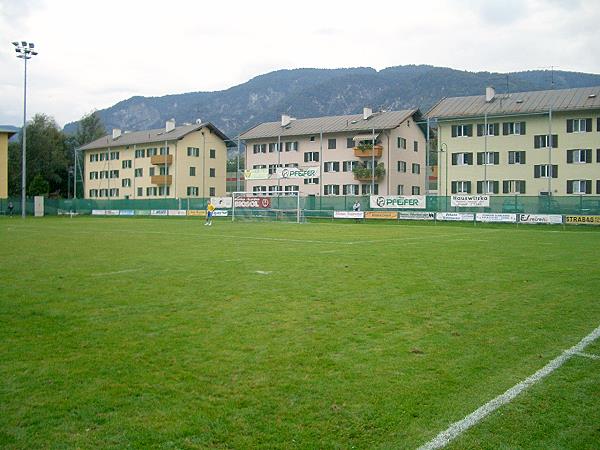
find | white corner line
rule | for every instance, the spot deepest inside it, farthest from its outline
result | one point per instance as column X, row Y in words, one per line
column 457, row 428
column 115, row 273
column 588, row 355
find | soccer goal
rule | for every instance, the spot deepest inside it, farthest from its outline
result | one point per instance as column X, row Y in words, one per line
column 283, row 206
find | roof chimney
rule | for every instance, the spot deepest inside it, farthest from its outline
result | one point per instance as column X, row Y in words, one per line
column 170, row 125
column 198, row 121
column 285, row 120
column 367, row 112
column 490, row 93
column 116, row 133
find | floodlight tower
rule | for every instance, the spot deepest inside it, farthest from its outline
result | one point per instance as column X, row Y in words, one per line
column 24, row 51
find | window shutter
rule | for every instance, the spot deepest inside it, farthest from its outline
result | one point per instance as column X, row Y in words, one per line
column 454, row 158
column 316, row 156
column 588, row 125
column 554, row 138
column 505, row 187
column 454, row 187
column 522, row 187
column 588, row 155
column 569, row 125
column 479, row 158
column 536, row 141
column 511, row 157
column 569, row 156
column 523, row 156
column 569, row 186
column 496, row 129
column 468, row 187
column 454, row 127
column 522, row 128
column 480, row 187
column 496, row 187
column 588, row 186
column 336, row 166
column 554, row 171
column 470, row 159
column 505, row 128
column 598, row 124
column 306, row 157
column 496, row 158
column 598, row 155
column 480, row 129
column 536, row 171
column 597, row 186
column 469, row 130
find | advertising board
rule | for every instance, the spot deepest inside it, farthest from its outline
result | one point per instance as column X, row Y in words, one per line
column 496, row 217
column 252, row 202
column 454, row 216
column 540, row 218
column 348, row 214
column 470, row 201
column 397, row 201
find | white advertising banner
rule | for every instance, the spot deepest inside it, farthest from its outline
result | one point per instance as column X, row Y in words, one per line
column 126, row 212
column 348, row 214
column 540, row 218
column 398, row 201
column 298, row 172
column 408, row 215
column 252, row 202
column 142, row 212
column 470, row 201
column 158, row 212
column 496, row 217
column 455, row 216
column 98, row 212
column 177, row 212
column 220, row 213
column 256, row 174
column 112, row 212
column 222, row 202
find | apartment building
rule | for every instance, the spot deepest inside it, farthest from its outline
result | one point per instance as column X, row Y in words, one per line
column 527, row 143
column 335, row 155
column 5, row 135
column 173, row 162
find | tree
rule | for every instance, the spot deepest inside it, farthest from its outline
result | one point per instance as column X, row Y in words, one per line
column 232, row 164
column 38, row 186
column 89, row 129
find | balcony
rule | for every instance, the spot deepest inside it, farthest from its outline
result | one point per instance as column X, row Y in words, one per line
column 161, row 160
column 161, row 179
column 366, row 151
column 363, row 173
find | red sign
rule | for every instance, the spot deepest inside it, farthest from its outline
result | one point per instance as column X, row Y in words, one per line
column 252, row 202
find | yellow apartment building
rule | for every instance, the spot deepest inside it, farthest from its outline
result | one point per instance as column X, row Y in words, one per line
column 174, row 162
column 5, row 135
column 333, row 147
column 524, row 143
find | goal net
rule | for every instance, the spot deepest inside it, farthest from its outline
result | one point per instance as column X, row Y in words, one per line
column 283, row 206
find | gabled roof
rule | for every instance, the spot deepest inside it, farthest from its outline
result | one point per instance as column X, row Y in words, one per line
column 149, row 136
column 576, row 99
column 330, row 124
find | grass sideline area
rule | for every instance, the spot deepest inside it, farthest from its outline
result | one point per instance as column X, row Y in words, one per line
column 164, row 333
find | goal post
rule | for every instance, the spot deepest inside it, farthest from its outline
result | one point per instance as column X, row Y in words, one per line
column 268, row 206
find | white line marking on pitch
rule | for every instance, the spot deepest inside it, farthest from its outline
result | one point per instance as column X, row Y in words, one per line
column 588, row 355
column 457, row 428
column 263, row 272
column 115, row 273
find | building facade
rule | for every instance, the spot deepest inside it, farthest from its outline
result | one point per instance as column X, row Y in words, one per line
column 341, row 150
column 527, row 143
column 5, row 135
column 174, row 162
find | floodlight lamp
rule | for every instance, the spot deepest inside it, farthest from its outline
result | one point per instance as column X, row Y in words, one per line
column 34, row 53
column 18, row 50
column 24, row 44
column 15, row 43
column 31, row 45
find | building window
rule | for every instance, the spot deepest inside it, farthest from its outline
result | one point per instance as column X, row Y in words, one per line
column 416, row 168
column 517, row 128
column 126, row 182
column 193, row 151
column 493, row 129
column 331, row 189
column 164, row 190
column 291, row 146
column 140, row 153
column 488, row 187
column 311, row 181
column 579, row 156
column 93, row 193
column 516, row 157
column 331, row 143
column 462, row 130
column 331, row 166
column 192, row 191
column 259, row 189
column 291, row 165
column 513, row 187
column 461, row 187
column 212, row 153
column 311, row 156
column 164, row 150
column 151, row 171
column 162, row 170
column 401, row 143
column 402, row 166
column 488, row 158
column 259, row 148
column 312, row 138
column 192, row 171
column 93, row 175
column 348, row 166
column 140, row 192
column 275, row 189
column 416, row 190
column 114, row 155
column 211, row 172
column 292, row 188
column 151, row 191
column 259, row 166
column 462, row 159
column 366, row 189
column 579, row 125
column 349, row 143
column 579, row 186
column 416, row 146
column 273, row 147
column 273, row 168
column 114, row 174
column 126, row 164
column 542, row 141
column 151, row 152
column 350, row 189
column 545, row 171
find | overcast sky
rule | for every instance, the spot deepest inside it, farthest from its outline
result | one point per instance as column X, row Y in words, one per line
column 93, row 54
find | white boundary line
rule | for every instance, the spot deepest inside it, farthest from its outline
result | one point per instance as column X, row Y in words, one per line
column 588, row 355
column 457, row 428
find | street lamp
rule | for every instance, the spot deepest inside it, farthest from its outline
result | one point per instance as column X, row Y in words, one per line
column 24, row 51
column 444, row 149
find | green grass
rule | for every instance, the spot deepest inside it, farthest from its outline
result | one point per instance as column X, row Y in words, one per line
column 163, row 333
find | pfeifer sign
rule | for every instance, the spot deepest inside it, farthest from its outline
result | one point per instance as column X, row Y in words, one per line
column 470, row 201
column 252, row 202
column 295, row 172
column 397, row 202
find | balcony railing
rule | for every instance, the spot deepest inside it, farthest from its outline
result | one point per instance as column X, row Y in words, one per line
column 367, row 152
column 161, row 179
column 161, row 160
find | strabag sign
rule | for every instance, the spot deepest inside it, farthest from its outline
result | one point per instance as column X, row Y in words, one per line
column 397, row 201
column 252, row 202
column 295, row 172
column 470, row 201
column 589, row 220
column 540, row 218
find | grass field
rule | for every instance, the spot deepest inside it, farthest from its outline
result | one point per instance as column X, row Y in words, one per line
column 163, row 333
